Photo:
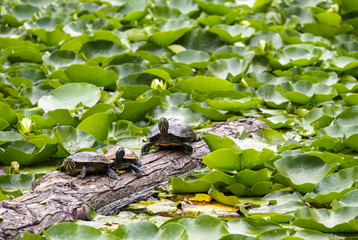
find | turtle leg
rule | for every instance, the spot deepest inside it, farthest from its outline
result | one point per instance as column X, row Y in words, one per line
column 83, row 172
column 146, row 147
column 137, row 171
column 111, row 173
column 188, row 147
column 138, row 163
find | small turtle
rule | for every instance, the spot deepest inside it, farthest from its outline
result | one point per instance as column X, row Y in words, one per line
column 124, row 158
column 170, row 132
column 88, row 162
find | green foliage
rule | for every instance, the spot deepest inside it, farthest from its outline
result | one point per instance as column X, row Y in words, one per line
column 85, row 74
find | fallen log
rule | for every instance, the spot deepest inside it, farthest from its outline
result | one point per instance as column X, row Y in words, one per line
column 57, row 197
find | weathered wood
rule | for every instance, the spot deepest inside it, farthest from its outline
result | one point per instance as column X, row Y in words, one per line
column 57, row 197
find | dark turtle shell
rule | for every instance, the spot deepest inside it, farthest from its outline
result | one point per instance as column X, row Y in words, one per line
column 93, row 161
column 178, row 130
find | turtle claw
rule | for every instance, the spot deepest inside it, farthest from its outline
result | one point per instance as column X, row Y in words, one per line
column 145, row 148
column 111, row 173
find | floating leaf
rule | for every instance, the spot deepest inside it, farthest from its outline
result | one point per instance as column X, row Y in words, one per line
column 228, row 160
column 302, row 172
column 14, row 182
column 25, row 153
column 90, row 74
column 204, row 84
column 340, row 220
column 193, row 58
column 76, row 231
column 73, row 139
column 232, row 33
column 97, row 125
column 333, row 186
column 204, row 226
column 234, row 104
column 69, row 96
column 303, row 92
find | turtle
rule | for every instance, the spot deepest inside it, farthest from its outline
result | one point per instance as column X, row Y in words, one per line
column 168, row 133
column 88, row 162
column 124, row 158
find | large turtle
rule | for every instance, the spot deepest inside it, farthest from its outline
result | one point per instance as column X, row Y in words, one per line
column 170, row 132
column 124, row 158
column 88, row 162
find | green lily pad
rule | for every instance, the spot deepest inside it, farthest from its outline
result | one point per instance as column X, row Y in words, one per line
column 97, row 125
column 348, row 200
column 228, row 160
column 231, row 68
column 204, row 227
column 341, row 63
column 183, row 114
column 340, row 220
column 272, row 98
column 7, row 114
column 9, row 136
column 258, row 189
column 216, row 142
column 207, row 111
column 65, row 229
column 142, row 108
column 303, row 92
column 31, row 95
column 279, row 121
column 69, row 96
column 147, row 230
column 234, row 104
column 295, row 55
column 232, row 33
column 90, row 74
column 14, row 182
column 237, row 237
column 302, row 172
column 25, row 152
column 213, row 8
column 61, row 59
column 73, row 139
column 179, row 185
column 170, row 31
column 295, row 37
column 250, row 227
column 333, row 186
column 193, row 58
column 204, row 84
column 101, row 48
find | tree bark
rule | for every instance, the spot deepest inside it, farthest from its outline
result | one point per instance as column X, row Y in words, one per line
column 57, row 197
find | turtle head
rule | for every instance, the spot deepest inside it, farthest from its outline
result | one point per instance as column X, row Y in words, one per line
column 69, row 166
column 119, row 157
column 163, row 126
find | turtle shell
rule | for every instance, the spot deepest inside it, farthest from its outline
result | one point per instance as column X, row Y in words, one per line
column 129, row 154
column 94, row 162
column 177, row 130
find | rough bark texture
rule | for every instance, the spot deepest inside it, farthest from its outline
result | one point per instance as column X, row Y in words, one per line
column 57, row 197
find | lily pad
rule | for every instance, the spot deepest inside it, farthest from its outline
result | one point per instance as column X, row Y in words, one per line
column 340, row 220
column 234, row 104
column 204, row 84
column 65, row 229
column 333, row 186
column 303, row 92
column 302, row 172
column 25, row 152
column 232, row 33
column 228, row 160
column 72, row 139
